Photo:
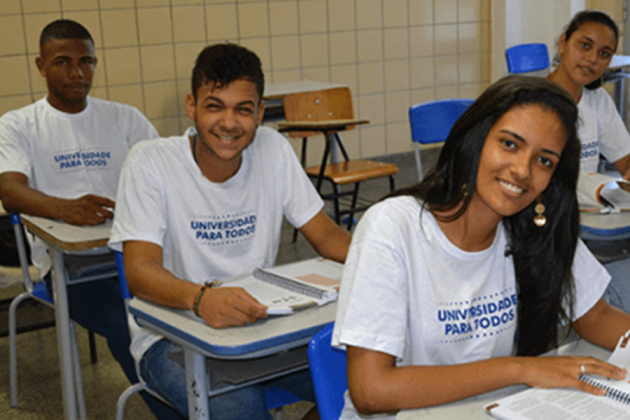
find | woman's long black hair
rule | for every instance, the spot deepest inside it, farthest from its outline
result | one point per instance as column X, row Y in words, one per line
column 543, row 256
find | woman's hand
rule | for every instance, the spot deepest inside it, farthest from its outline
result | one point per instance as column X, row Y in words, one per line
column 564, row 372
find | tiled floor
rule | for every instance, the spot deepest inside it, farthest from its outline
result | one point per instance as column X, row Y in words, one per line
column 39, row 384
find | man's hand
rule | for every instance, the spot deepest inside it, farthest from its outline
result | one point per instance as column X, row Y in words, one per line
column 18, row 197
column 86, row 210
column 230, row 306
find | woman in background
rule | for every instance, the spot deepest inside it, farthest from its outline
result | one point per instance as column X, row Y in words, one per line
column 439, row 278
column 584, row 52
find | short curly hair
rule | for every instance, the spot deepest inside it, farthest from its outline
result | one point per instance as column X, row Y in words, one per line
column 224, row 63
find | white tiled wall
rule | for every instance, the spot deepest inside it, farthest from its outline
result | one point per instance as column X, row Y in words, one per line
column 391, row 53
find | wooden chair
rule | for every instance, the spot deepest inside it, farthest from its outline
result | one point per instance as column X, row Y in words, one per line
column 328, row 112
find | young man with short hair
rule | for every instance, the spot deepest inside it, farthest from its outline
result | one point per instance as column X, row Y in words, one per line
column 210, row 205
column 61, row 157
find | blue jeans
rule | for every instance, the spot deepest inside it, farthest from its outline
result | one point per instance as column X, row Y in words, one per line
column 98, row 306
column 618, row 291
column 168, row 379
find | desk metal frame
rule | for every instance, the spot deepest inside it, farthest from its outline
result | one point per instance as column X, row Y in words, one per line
column 264, row 337
column 66, row 239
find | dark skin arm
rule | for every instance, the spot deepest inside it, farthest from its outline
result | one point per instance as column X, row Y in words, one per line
column 18, row 197
column 623, row 166
column 328, row 238
column 226, row 306
column 383, row 387
column 148, row 279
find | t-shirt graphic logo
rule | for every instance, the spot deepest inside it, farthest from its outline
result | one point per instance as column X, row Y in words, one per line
column 90, row 160
column 487, row 314
column 224, row 229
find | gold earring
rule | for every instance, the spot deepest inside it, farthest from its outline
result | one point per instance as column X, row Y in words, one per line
column 540, row 220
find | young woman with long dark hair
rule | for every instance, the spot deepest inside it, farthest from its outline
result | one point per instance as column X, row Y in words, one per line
column 585, row 50
column 453, row 286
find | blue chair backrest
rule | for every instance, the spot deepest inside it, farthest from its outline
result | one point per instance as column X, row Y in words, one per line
column 526, row 58
column 122, row 279
column 328, row 369
column 431, row 122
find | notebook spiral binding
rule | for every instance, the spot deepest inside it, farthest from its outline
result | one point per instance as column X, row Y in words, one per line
column 615, row 394
column 289, row 284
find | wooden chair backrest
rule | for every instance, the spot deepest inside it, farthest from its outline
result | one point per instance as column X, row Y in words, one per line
column 322, row 105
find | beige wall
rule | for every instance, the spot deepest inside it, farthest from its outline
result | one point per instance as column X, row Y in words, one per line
column 392, row 53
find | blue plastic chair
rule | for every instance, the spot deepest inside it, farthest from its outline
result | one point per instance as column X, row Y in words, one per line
column 431, row 122
column 275, row 398
column 328, row 369
column 527, row 58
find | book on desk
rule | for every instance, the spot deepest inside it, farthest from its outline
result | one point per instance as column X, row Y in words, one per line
column 292, row 287
column 569, row 403
column 285, row 290
column 602, row 193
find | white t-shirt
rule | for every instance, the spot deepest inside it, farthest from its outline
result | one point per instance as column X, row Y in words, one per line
column 409, row 292
column 70, row 155
column 601, row 130
column 211, row 230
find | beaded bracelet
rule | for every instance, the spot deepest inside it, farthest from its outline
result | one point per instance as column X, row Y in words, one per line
column 198, row 300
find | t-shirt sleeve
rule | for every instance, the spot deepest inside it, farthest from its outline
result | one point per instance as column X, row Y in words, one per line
column 137, row 126
column 14, row 153
column 591, row 280
column 613, row 135
column 301, row 202
column 373, row 306
column 140, row 207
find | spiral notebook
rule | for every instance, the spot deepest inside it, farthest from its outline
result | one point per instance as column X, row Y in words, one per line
column 571, row 404
column 292, row 287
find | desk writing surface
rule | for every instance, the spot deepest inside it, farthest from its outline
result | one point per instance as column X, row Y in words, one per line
column 234, row 341
column 318, row 125
column 69, row 237
column 472, row 408
column 280, row 90
column 605, row 225
column 618, row 62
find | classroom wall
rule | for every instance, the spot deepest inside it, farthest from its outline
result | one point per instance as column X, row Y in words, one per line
column 391, row 53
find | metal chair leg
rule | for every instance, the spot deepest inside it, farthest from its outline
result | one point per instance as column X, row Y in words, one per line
column 13, row 347
column 78, row 376
column 122, row 400
column 336, row 204
column 355, row 196
column 93, row 354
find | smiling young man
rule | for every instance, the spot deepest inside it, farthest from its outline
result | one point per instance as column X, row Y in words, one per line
column 209, row 205
column 61, row 157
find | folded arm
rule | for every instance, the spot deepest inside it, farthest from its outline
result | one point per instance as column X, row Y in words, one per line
column 148, row 279
column 18, row 197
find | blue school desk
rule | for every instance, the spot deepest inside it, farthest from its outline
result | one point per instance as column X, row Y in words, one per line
column 472, row 408
column 62, row 240
column 271, row 336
